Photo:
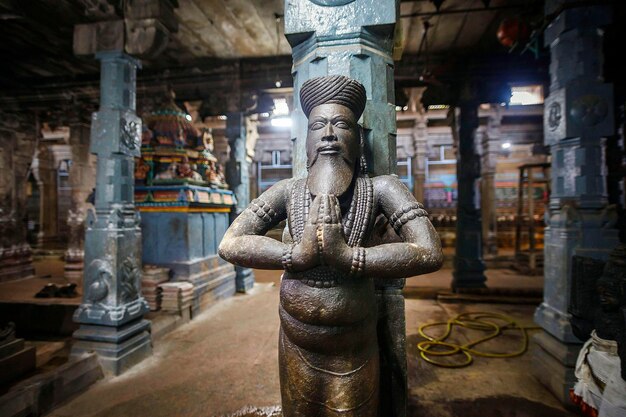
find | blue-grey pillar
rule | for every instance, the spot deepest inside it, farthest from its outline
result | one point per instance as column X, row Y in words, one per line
column 469, row 269
column 354, row 38
column 238, row 178
column 111, row 313
column 578, row 114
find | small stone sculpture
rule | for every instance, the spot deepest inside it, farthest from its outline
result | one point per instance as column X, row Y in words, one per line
column 328, row 349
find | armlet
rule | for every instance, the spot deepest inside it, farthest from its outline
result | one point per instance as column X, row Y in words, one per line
column 407, row 212
column 263, row 210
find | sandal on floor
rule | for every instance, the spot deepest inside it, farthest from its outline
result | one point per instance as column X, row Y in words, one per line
column 67, row 291
column 48, row 291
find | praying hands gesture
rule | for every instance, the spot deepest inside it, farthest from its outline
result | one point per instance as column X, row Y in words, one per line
column 323, row 241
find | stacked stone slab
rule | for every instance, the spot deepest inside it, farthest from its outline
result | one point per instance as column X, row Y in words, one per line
column 150, row 280
column 177, row 296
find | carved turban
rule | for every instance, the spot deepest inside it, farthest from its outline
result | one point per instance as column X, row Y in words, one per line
column 335, row 89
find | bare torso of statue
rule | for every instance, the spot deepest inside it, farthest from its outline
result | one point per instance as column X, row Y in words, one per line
column 328, row 350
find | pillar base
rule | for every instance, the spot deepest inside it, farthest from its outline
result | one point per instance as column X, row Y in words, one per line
column 244, row 280
column 555, row 323
column 553, row 365
column 468, row 273
column 118, row 349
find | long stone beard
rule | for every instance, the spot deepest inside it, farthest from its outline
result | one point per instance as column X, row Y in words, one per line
column 330, row 174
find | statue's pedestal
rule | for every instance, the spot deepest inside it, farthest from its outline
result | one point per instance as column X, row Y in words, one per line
column 182, row 228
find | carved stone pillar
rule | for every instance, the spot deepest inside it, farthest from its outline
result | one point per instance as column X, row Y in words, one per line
column 490, row 148
column 111, row 314
column 45, row 173
column 468, row 264
column 420, row 137
column 82, row 178
column 578, row 115
column 17, row 143
column 355, row 39
column 238, row 178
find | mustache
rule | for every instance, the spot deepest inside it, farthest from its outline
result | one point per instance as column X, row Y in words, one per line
column 342, row 153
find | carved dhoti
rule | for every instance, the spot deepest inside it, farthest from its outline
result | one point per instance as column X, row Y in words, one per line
column 328, row 355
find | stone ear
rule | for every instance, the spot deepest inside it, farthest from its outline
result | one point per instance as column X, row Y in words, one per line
column 363, row 161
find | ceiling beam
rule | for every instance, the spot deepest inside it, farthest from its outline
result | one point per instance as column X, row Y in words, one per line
column 203, row 78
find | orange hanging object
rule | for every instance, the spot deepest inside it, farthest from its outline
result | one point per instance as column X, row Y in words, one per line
column 512, row 31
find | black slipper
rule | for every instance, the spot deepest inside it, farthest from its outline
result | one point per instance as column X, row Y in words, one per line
column 48, row 291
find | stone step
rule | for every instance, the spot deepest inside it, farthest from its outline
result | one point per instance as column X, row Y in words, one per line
column 42, row 393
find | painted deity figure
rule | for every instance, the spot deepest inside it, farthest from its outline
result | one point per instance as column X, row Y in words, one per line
column 328, row 348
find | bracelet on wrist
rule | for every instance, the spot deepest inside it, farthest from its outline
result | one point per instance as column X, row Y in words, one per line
column 287, row 259
column 358, row 261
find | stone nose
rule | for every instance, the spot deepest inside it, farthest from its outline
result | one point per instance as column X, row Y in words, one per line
column 329, row 134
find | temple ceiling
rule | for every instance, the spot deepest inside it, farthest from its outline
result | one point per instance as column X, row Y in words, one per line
column 36, row 40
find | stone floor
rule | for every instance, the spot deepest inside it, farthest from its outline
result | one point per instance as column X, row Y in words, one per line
column 224, row 363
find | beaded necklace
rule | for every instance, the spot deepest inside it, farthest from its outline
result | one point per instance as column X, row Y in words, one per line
column 358, row 218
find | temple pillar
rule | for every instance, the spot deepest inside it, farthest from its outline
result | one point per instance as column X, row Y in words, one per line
column 17, row 143
column 82, row 180
column 468, row 264
column 238, row 178
column 420, row 138
column 45, row 172
column 112, row 309
column 578, row 115
column 355, row 39
column 490, row 149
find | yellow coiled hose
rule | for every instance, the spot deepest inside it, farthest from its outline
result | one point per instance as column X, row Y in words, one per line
column 437, row 346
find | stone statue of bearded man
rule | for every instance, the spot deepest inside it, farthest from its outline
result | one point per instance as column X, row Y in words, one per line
column 328, row 349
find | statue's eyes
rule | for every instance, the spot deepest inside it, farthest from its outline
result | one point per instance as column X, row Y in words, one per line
column 317, row 126
column 342, row 125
